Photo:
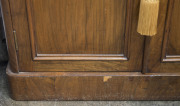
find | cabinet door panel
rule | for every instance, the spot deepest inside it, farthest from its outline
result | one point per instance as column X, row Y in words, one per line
column 173, row 41
column 77, row 35
column 78, row 26
column 163, row 54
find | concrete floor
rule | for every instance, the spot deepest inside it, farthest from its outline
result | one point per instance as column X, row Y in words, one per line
column 5, row 100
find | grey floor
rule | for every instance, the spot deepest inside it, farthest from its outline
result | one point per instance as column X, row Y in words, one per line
column 5, row 100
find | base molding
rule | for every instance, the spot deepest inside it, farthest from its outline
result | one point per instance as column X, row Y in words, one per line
column 93, row 86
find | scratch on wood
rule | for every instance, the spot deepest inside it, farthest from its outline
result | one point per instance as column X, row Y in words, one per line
column 106, row 78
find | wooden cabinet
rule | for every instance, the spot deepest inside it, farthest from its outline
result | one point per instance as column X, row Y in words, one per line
column 91, row 50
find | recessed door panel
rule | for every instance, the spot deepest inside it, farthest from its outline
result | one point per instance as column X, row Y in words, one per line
column 78, row 26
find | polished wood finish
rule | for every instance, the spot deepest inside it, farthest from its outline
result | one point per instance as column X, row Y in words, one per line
column 171, row 50
column 77, row 26
column 173, row 46
column 162, row 50
column 94, row 86
column 90, row 36
column 90, row 50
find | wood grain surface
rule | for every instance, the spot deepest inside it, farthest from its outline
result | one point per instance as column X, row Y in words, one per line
column 78, row 26
column 89, row 35
column 173, row 47
column 94, row 86
column 159, row 56
column 90, row 50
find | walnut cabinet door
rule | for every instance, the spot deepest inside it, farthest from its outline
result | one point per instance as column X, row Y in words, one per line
column 77, row 35
column 162, row 54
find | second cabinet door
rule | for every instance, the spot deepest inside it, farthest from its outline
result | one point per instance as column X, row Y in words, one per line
column 77, row 35
column 163, row 53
